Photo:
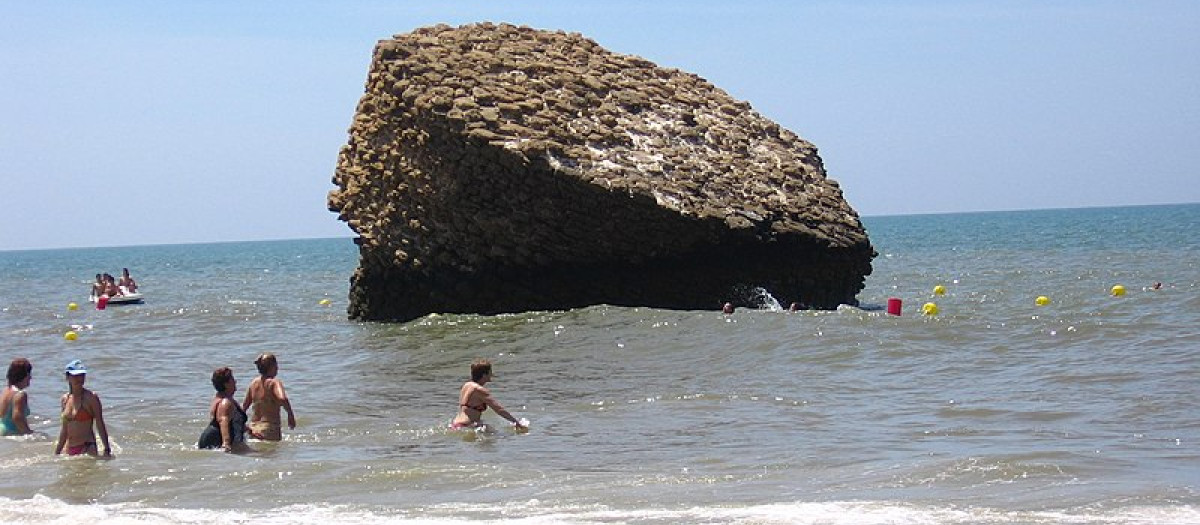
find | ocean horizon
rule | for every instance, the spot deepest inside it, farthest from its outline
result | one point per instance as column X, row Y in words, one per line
column 351, row 235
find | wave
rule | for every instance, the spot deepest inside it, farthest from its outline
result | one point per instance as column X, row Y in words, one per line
column 41, row 509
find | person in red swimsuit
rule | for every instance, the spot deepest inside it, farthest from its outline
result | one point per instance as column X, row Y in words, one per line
column 474, row 398
column 81, row 411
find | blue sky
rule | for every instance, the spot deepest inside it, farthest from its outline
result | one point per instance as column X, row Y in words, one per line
column 126, row 123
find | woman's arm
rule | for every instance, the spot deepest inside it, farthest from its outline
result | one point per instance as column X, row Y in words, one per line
column 491, row 402
column 281, row 395
column 62, row 431
column 249, row 395
column 224, row 411
column 19, row 407
column 101, row 428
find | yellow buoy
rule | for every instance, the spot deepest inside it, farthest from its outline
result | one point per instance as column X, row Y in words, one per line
column 1118, row 290
column 929, row 309
column 325, row 302
column 70, row 335
column 1042, row 300
column 939, row 290
column 72, row 306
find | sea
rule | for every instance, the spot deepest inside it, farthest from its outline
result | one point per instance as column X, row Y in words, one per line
column 995, row 410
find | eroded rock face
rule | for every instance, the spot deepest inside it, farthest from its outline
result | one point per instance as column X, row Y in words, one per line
column 495, row 168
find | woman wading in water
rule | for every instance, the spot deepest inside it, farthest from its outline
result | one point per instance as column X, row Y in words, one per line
column 267, row 396
column 14, row 413
column 81, row 411
column 227, row 426
column 474, row 398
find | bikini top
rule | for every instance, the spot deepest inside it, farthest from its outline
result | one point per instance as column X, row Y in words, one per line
column 479, row 408
column 81, row 415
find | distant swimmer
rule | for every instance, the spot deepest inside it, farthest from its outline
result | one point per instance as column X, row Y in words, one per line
column 727, row 308
column 1157, row 286
column 81, row 413
column 14, row 416
column 267, row 396
column 474, row 398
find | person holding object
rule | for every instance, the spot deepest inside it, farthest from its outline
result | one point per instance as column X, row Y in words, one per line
column 267, row 396
column 81, row 412
column 474, row 398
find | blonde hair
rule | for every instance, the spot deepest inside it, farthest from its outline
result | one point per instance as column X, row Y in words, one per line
column 265, row 361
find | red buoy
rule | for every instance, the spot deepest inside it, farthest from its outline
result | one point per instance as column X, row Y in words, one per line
column 101, row 302
column 893, row 306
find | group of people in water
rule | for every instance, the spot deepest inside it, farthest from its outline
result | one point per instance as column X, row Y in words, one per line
column 82, row 413
column 108, row 286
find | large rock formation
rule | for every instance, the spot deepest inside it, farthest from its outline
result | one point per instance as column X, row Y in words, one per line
column 494, row 168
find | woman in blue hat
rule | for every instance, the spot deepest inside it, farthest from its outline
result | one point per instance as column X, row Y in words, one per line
column 81, row 413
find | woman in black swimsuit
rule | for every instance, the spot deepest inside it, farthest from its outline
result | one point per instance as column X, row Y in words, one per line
column 227, row 426
column 474, row 398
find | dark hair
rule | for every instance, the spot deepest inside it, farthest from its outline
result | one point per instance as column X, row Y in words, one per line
column 220, row 377
column 480, row 368
column 264, row 362
column 18, row 370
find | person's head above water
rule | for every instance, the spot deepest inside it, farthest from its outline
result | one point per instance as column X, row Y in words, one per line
column 480, row 368
column 18, row 370
column 221, row 377
column 76, row 368
column 265, row 361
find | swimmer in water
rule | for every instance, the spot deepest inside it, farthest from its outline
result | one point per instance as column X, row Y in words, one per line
column 14, row 403
column 267, row 396
column 81, row 413
column 474, row 398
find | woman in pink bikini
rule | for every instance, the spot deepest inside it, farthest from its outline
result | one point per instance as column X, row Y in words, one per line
column 474, row 399
column 81, row 411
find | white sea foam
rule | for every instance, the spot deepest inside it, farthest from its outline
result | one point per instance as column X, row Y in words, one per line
column 41, row 509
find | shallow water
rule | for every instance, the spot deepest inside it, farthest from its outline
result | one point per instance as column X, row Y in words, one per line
column 994, row 411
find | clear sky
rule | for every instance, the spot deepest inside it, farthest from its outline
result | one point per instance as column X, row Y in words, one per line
column 125, row 123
